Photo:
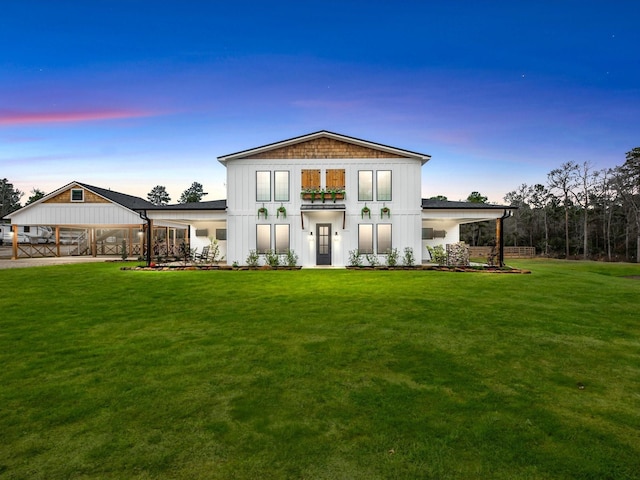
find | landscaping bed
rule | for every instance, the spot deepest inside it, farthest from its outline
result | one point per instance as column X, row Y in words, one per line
column 439, row 268
column 174, row 268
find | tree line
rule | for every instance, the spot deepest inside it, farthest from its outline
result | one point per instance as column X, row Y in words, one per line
column 580, row 212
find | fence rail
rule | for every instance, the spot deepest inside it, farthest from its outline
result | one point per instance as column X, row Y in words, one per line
column 509, row 252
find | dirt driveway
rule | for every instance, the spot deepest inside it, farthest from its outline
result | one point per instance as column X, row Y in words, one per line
column 41, row 262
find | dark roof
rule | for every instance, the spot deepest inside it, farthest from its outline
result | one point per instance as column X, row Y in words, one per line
column 129, row 201
column 210, row 205
column 428, row 203
column 137, row 203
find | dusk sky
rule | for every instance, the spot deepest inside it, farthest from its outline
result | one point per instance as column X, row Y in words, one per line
column 131, row 94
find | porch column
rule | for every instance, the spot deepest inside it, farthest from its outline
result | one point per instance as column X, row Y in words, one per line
column 14, row 242
column 150, row 241
column 500, row 241
column 57, row 240
column 94, row 245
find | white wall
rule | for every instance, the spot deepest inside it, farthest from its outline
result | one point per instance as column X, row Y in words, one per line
column 199, row 242
column 76, row 214
column 242, row 207
column 452, row 229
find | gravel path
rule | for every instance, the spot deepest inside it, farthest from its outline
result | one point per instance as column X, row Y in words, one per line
column 41, row 262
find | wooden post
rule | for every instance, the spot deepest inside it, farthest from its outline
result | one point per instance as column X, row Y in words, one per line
column 150, row 240
column 94, row 245
column 500, row 242
column 57, row 240
column 14, row 242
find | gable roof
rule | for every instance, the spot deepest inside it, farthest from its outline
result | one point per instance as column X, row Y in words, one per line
column 365, row 149
column 128, row 201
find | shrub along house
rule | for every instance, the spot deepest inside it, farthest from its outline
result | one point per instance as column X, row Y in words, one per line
column 321, row 195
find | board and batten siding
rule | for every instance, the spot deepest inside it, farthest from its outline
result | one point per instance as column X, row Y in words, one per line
column 79, row 214
column 242, row 207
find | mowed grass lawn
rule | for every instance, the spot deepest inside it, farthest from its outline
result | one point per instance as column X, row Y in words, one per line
column 320, row 374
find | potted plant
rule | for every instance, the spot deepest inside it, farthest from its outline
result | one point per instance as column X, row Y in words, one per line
column 281, row 211
column 263, row 211
column 365, row 211
column 385, row 211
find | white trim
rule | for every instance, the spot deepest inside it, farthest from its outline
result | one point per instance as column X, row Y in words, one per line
column 324, row 134
column 76, row 190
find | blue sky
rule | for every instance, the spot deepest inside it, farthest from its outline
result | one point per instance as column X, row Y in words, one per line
column 131, row 94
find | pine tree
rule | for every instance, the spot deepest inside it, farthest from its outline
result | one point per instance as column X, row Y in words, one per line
column 9, row 198
column 193, row 194
column 158, row 195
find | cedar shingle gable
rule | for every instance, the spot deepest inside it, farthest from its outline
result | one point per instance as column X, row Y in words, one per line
column 323, row 148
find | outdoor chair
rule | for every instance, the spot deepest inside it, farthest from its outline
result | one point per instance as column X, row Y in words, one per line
column 202, row 256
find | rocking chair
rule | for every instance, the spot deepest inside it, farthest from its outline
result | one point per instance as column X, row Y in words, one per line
column 202, row 256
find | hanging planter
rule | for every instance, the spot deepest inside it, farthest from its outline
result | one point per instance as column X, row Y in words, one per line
column 281, row 211
column 365, row 211
column 385, row 211
column 263, row 211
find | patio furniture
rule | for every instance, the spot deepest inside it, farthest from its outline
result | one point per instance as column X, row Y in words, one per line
column 202, row 256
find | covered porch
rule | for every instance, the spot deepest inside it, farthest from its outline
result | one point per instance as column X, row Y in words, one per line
column 441, row 222
column 127, row 241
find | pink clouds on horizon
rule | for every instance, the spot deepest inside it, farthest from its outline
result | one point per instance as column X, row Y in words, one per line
column 13, row 118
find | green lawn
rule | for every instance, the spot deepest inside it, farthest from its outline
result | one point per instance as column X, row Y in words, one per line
column 320, row 374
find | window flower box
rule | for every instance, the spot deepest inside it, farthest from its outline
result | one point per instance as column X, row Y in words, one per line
column 323, row 196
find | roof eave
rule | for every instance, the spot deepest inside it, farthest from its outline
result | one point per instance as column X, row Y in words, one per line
column 424, row 158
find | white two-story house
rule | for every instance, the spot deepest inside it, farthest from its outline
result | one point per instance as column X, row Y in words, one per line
column 325, row 195
column 321, row 195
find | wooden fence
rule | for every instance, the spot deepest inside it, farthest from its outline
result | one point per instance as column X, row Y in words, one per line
column 509, row 252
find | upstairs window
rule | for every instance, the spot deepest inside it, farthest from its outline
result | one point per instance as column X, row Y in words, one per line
column 281, row 186
column 77, row 195
column 365, row 185
column 263, row 186
column 383, row 185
